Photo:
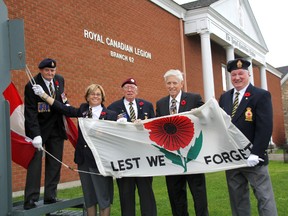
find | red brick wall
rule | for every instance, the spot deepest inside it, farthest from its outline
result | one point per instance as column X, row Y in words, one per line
column 55, row 29
column 218, row 58
column 278, row 126
column 194, row 64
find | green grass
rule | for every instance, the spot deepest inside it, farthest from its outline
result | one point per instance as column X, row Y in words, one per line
column 218, row 200
column 279, row 151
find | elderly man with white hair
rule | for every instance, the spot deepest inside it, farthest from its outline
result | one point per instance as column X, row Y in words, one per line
column 176, row 102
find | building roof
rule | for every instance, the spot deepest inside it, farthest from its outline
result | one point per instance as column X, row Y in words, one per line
column 283, row 70
column 198, row 4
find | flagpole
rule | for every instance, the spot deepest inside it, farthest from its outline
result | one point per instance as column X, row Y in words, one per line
column 12, row 39
column 5, row 144
column 5, row 159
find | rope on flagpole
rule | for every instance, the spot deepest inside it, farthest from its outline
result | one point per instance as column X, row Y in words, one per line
column 27, row 71
column 71, row 168
column 30, row 77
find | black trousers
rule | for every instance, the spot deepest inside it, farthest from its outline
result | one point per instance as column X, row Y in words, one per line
column 127, row 187
column 176, row 186
column 53, row 145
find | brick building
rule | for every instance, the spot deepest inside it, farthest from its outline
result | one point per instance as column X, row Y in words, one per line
column 284, row 86
column 106, row 42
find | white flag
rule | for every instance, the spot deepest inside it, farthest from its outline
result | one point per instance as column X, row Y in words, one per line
column 199, row 141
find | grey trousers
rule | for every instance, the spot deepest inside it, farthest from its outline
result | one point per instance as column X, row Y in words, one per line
column 238, row 185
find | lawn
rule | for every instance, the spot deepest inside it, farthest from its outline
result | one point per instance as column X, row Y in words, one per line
column 217, row 193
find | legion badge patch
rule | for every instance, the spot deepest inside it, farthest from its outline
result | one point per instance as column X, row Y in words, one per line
column 248, row 114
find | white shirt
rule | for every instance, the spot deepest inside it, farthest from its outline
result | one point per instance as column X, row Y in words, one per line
column 47, row 83
column 241, row 94
column 134, row 105
column 96, row 111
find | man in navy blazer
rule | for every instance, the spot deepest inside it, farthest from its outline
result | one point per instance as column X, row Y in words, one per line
column 176, row 184
column 140, row 109
column 253, row 116
column 44, row 125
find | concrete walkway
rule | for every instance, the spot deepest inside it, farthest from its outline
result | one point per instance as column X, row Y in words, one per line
column 277, row 157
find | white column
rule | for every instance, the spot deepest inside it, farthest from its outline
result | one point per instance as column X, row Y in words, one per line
column 229, row 56
column 208, row 79
column 263, row 77
column 250, row 69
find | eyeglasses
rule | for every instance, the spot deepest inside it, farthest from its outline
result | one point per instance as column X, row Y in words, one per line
column 96, row 94
column 132, row 87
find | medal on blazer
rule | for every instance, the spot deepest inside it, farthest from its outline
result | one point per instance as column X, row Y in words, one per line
column 248, row 114
column 64, row 98
column 43, row 107
column 122, row 115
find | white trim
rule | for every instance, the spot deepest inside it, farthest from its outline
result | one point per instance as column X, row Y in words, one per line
column 171, row 7
column 208, row 19
column 223, row 32
column 284, row 79
column 273, row 70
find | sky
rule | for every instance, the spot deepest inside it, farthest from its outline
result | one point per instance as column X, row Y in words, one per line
column 271, row 18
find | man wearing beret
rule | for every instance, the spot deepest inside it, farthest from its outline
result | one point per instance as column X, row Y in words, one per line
column 176, row 102
column 131, row 108
column 45, row 127
column 250, row 109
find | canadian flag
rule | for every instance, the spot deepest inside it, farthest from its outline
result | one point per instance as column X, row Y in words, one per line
column 21, row 146
column 71, row 130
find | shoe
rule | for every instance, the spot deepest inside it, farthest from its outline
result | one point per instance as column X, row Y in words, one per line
column 29, row 205
column 50, row 201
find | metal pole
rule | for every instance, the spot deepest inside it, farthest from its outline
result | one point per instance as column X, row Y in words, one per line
column 5, row 149
column 11, row 45
column 5, row 161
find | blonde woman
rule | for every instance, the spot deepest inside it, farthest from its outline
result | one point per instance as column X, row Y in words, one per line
column 97, row 189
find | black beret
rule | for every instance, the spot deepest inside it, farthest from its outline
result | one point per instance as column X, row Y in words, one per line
column 50, row 63
column 238, row 63
column 129, row 81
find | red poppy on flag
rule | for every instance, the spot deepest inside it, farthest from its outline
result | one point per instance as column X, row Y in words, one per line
column 172, row 133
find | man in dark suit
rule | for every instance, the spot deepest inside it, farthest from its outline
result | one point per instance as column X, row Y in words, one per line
column 178, row 101
column 133, row 108
column 250, row 109
column 44, row 126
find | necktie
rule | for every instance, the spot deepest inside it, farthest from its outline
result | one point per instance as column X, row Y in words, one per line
column 51, row 90
column 235, row 104
column 89, row 115
column 132, row 112
column 173, row 108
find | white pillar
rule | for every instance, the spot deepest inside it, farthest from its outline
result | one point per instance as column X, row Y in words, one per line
column 208, row 79
column 229, row 56
column 263, row 77
column 250, row 69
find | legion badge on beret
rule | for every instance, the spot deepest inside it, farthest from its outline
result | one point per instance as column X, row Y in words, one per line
column 238, row 63
column 50, row 63
column 129, row 81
